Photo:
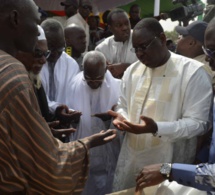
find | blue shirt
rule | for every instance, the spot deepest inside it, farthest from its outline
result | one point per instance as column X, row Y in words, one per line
column 201, row 176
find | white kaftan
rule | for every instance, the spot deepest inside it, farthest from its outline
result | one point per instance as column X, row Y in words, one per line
column 117, row 52
column 178, row 96
column 64, row 71
column 89, row 101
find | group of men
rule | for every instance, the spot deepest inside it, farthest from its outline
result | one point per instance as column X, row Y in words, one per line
column 163, row 103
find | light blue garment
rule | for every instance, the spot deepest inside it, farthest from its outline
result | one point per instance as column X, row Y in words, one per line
column 212, row 147
column 201, row 176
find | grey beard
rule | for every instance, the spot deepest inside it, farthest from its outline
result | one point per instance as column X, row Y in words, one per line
column 35, row 79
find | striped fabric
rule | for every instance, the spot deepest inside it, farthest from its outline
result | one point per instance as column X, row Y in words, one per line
column 32, row 161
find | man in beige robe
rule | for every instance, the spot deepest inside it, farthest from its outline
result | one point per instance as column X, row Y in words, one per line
column 165, row 95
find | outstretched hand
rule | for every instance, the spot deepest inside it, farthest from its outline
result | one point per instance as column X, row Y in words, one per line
column 148, row 126
column 102, row 138
column 117, row 118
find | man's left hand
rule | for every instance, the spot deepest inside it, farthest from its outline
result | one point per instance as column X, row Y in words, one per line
column 66, row 116
column 148, row 126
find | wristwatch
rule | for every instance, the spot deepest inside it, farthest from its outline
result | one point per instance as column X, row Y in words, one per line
column 165, row 170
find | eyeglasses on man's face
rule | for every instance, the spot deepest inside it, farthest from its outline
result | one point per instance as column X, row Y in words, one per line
column 208, row 52
column 99, row 78
column 143, row 48
column 39, row 53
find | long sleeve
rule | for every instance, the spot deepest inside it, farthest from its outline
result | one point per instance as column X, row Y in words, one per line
column 201, row 176
column 66, row 68
column 31, row 159
column 39, row 162
column 193, row 122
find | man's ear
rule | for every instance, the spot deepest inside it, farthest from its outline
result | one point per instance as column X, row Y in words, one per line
column 193, row 42
column 109, row 27
column 14, row 18
column 163, row 38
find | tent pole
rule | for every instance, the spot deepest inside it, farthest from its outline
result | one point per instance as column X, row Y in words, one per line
column 156, row 7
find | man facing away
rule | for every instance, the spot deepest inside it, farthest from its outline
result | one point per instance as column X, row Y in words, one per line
column 32, row 160
column 94, row 92
column 117, row 48
column 165, row 95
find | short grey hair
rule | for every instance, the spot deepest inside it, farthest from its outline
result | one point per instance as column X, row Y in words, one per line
column 95, row 57
column 52, row 25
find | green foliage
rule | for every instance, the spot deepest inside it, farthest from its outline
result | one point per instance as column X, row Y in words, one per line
column 172, row 35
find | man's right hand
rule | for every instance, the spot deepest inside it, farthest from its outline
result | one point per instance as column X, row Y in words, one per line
column 102, row 138
column 66, row 116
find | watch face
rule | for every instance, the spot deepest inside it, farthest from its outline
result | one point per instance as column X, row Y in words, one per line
column 165, row 169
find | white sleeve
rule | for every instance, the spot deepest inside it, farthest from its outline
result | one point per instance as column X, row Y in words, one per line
column 196, row 110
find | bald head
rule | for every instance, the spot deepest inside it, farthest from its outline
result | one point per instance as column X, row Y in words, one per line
column 9, row 5
column 94, row 68
column 72, row 30
column 75, row 37
column 19, row 19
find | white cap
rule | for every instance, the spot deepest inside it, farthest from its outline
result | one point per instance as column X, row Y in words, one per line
column 42, row 34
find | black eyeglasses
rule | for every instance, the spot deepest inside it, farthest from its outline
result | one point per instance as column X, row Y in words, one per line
column 143, row 47
column 39, row 53
column 87, row 7
column 99, row 78
column 208, row 52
